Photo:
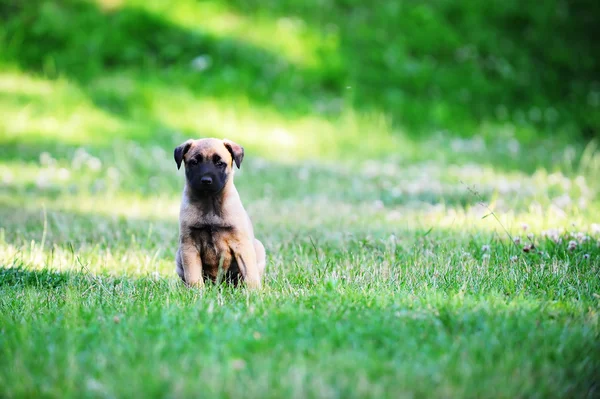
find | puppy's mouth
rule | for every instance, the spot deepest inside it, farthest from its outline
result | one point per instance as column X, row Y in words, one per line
column 206, row 188
column 209, row 191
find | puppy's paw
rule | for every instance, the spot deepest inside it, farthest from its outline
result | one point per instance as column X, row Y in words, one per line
column 253, row 284
column 198, row 284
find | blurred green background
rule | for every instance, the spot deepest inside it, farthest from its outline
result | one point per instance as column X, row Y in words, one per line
column 395, row 104
column 319, row 78
column 94, row 95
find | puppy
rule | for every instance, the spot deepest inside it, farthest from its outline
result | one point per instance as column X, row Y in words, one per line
column 216, row 237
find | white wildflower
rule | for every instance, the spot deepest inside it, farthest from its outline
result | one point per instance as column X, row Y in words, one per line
column 485, row 248
column 80, row 157
column 378, row 204
column 552, row 234
column 563, row 201
column 238, row 364
column 303, row 174
column 42, row 181
column 585, row 238
column 517, row 240
column 513, row 146
column 393, row 215
column 113, row 173
column 572, row 245
column 582, row 237
column 201, row 63
column 94, row 163
column 46, row 159
column 7, row 177
column 63, row 174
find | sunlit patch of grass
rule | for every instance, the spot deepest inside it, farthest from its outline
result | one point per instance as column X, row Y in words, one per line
column 20, row 84
column 36, row 108
column 61, row 112
column 375, row 196
column 273, row 135
column 116, row 233
column 289, row 38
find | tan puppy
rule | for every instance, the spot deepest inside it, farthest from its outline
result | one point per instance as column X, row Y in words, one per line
column 215, row 233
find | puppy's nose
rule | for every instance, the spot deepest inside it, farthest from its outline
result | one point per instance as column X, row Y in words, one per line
column 206, row 180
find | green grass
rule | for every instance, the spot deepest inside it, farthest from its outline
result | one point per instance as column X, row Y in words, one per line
column 365, row 172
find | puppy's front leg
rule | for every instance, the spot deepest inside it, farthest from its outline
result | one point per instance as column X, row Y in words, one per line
column 245, row 255
column 192, row 264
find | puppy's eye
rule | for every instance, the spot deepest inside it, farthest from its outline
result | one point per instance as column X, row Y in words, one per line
column 192, row 162
column 220, row 164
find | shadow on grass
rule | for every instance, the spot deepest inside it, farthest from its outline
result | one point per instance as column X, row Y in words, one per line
column 452, row 65
column 88, row 284
column 135, row 43
column 23, row 278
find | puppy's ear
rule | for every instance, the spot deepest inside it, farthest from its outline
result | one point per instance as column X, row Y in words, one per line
column 180, row 152
column 236, row 150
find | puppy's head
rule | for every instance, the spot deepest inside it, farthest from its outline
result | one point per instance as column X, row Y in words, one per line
column 208, row 163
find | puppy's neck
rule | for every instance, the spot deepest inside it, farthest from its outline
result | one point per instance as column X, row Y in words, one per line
column 211, row 203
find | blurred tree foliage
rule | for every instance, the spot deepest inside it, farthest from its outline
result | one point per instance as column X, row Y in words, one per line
column 435, row 64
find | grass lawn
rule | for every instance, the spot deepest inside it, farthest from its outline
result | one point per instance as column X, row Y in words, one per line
column 387, row 273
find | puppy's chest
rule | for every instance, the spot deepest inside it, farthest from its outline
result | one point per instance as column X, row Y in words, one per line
column 214, row 242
